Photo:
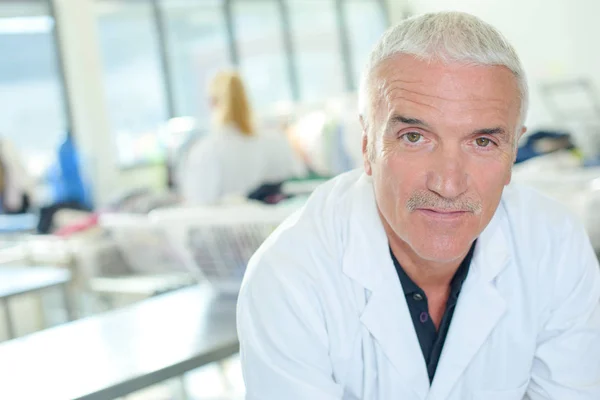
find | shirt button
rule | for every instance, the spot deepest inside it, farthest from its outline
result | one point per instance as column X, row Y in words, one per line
column 417, row 297
column 424, row 317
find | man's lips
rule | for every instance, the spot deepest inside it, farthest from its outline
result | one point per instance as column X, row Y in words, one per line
column 442, row 214
column 443, row 211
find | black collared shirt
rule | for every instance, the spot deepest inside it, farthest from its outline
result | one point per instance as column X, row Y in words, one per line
column 432, row 341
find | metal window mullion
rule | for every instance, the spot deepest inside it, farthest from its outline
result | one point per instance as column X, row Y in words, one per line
column 163, row 52
column 346, row 54
column 234, row 55
column 290, row 51
column 64, row 86
column 385, row 10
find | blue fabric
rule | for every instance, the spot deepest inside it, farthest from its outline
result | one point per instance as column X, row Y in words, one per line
column 527, row 150
column 66, row 178
column 592, row 162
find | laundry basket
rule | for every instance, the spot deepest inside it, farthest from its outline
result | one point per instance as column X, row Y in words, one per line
column 218, row 241
column 144, row 247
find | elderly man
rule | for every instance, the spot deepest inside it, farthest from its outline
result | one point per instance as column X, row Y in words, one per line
column 427, row 276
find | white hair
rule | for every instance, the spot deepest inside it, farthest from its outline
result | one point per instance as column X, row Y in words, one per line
column 449, row 37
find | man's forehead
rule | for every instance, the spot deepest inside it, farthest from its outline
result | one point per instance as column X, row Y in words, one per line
column 438, row 84
column 411, row 70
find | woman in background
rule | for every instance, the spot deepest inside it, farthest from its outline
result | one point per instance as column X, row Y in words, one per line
column 233, row 160
column 16, row 185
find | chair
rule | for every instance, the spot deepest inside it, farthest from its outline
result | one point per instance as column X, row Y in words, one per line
column 218, row 241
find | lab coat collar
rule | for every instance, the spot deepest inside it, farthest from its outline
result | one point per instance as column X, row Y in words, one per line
column 367, row 261
column 366, row 237
column 480, row 307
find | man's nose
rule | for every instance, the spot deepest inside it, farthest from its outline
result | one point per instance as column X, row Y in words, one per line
column 448, row 176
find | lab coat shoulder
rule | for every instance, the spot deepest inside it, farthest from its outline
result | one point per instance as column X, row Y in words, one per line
column 549, row 244
column 290, row 299
column 534, row 213
column 312, row 238
column 547, row 236
column 553, row 255
column 302, row 254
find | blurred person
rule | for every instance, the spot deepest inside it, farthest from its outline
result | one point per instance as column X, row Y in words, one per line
column 16, row 184
column 233, row 159
column 69, row 190
column 427, row 275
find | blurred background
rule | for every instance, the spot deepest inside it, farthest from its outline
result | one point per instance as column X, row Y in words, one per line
column 148, row 147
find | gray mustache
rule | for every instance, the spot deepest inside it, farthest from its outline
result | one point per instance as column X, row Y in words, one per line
column 433, row 201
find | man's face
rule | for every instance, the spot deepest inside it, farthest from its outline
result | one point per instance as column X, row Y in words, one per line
column 444, row 143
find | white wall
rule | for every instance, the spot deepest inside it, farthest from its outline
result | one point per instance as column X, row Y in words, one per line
column 555, row 39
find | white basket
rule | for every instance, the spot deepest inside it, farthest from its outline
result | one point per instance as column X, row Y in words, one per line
column 218, row 241
column 144, row 246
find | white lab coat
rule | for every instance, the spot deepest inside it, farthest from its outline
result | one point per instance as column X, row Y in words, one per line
column 322, row 315
column 226, row 163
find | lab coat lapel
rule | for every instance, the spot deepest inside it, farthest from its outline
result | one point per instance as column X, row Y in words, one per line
column 480, row 307
column 385, row 315
column 387, row 318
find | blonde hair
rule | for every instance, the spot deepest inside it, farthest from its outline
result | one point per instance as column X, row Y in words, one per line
column 231, row 102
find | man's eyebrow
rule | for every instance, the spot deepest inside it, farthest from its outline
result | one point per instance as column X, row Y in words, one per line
column 402, row 119
column 397, row 118
column 490, row 131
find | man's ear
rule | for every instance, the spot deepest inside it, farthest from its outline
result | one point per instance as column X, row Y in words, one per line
column 365, row 147
column 523, row 130
column 519, row 136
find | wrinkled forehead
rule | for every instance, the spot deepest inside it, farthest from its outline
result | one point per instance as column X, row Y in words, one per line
column 443, row 90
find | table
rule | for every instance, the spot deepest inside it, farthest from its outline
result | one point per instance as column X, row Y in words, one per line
column 16, row 281
column 122, row 351
column 302, row 186
column 18, row 223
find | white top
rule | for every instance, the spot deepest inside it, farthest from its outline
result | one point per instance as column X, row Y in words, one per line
column 322, row 314
column 227, row 163
column 17, row 180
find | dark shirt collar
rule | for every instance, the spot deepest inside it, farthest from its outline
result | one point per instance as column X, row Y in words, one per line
column 410, row 287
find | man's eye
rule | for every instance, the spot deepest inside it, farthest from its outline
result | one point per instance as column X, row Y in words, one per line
column 413, row 137
column 483, row 142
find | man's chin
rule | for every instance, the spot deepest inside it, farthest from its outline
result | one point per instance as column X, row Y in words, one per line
column 442, row 250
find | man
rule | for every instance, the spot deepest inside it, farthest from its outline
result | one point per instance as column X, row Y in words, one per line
column 427, row 276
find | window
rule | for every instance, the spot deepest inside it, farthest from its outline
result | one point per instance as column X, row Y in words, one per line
column 262, row 55
column 33, row 114
column 366, row 23
column 133, row 79
column 317, row 47
column 197, row 47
